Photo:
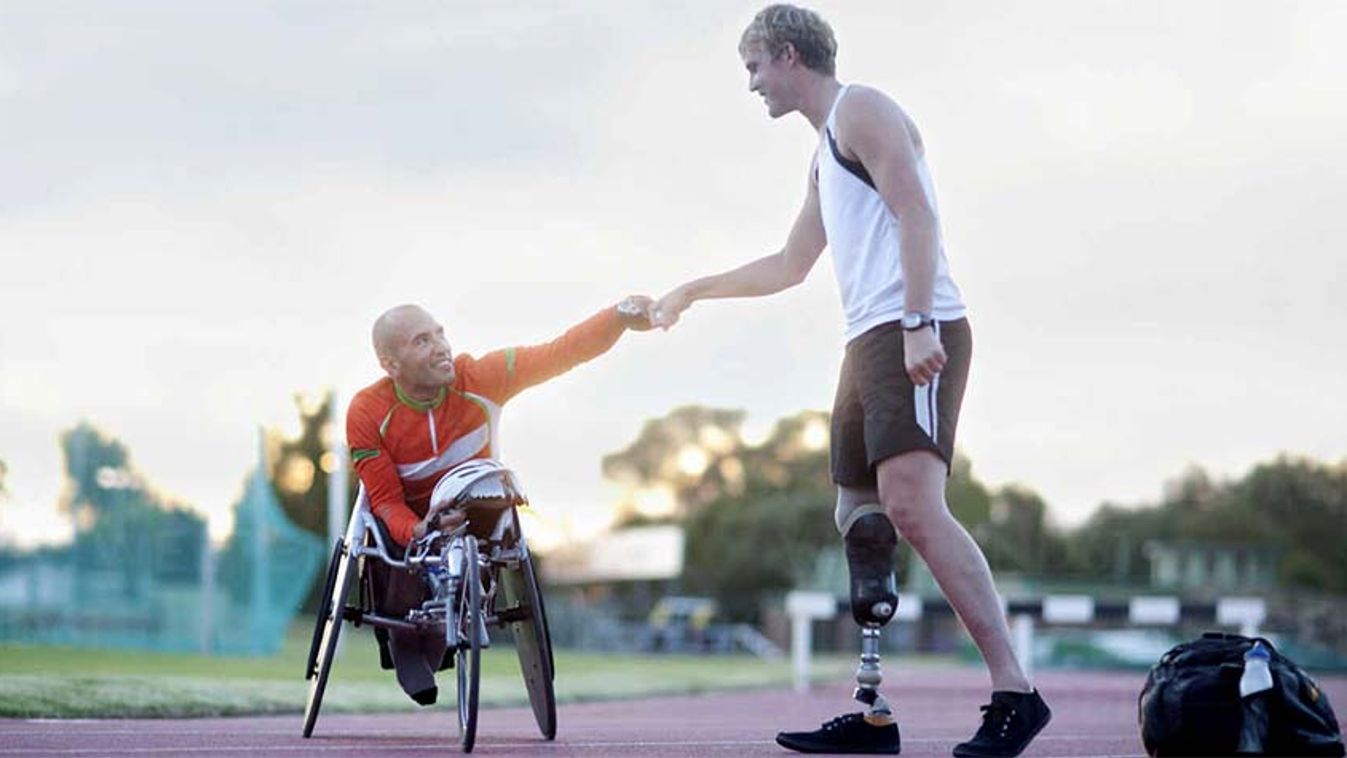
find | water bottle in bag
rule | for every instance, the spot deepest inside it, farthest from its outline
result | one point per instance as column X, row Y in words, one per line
column 1254, row 684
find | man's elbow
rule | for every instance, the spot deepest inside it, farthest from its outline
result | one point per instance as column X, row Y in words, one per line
column 793, row 271
column 795, row 276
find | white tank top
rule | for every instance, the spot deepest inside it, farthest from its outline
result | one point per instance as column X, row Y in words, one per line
column 864, row 239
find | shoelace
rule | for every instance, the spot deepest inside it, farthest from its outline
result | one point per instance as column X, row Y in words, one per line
column 996, row 718
column 840, row 721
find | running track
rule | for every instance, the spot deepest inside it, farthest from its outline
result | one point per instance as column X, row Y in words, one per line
column 1094, row 715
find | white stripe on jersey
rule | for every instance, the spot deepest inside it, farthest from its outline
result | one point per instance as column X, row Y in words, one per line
column 464, row 448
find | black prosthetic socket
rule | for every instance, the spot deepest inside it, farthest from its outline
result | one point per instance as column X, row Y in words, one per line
column 870, row 543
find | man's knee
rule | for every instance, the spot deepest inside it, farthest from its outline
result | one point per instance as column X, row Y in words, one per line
column 912, row 488
column 870, row 542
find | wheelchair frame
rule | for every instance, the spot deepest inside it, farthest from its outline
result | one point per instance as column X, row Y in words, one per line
column 479, row 583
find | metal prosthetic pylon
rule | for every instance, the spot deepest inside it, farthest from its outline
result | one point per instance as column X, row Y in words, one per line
column 868, row 674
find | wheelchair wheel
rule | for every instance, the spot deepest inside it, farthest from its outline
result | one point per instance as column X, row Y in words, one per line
column 532, row 642
column 469, row 643
column 326, row 632
column 319, row 619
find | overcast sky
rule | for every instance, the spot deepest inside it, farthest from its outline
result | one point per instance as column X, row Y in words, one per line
column 204, row 206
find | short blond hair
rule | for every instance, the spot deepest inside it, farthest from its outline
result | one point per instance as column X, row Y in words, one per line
column 779, row 25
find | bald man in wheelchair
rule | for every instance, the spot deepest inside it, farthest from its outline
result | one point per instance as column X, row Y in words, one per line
column 431, row 413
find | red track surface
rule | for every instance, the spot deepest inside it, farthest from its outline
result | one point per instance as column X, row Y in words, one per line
column 1094, row 715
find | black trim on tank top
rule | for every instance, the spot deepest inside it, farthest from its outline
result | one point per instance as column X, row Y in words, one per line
column 855, row 167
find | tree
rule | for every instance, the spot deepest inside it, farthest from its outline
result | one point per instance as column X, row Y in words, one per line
column 1292, row 507
column 122, row 526
column 759, row 532
column 1019, row 536
column 98, row 471
column 679, row 463
column 1301, row 505
column 757, row 518
column 969, row 499
column 299, row 465
column 1111, row 544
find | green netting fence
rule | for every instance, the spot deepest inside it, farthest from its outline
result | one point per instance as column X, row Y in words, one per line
column 148, row 578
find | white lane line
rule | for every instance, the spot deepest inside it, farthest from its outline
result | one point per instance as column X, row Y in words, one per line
column 365, row 747
column 326, row 737
column 149, row 732
column 537, row 745
column 291, row 733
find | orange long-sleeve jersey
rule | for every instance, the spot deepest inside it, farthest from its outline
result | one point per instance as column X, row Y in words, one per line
column 400, row 447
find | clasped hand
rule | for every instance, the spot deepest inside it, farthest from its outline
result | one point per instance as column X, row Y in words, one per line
column 636, row 314
column 445, row 520
column 667, row 309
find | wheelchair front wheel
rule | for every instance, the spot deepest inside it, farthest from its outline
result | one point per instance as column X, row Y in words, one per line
column 326, row 632
column 469, row 652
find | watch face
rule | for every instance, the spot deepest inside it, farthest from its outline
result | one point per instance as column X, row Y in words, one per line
column 911, row 320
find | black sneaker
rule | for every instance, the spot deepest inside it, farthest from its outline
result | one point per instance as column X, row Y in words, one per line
column 1009, row 722
column 852, row 733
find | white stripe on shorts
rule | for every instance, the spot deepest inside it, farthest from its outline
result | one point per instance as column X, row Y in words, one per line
column 923, row 401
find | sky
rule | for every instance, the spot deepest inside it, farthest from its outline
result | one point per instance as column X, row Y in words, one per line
column 203, row 207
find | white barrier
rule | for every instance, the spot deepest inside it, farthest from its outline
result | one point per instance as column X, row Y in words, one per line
column 1068, row 609
column 1248, row 613
column 1022, row 637
column 803, row 608
column 909, row 607
column 1153, row 611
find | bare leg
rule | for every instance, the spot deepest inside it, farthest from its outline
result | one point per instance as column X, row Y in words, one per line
column 912, row 489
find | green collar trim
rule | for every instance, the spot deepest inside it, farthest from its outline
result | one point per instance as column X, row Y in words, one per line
column 418, row 405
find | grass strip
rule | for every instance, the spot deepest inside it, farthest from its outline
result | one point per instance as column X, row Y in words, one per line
column 52, row 682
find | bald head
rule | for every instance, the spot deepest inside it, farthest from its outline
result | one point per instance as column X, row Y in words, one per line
column 411, row 347
column 394, row 326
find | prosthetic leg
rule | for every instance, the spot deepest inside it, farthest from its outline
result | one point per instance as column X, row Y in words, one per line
column 870, row 541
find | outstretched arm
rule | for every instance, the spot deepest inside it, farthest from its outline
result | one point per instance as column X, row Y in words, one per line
column 505, row 373
column 764, row 276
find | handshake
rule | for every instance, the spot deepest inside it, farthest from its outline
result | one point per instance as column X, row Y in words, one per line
column 641, row 313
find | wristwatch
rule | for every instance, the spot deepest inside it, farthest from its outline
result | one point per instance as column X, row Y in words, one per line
column 912, row 321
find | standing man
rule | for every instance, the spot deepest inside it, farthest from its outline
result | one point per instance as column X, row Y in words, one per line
column 871, row 200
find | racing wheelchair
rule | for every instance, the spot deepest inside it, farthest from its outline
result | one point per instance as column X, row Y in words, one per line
column 478, row 575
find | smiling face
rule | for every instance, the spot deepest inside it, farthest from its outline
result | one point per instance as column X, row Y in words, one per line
column 771, row 77
column 413, row 350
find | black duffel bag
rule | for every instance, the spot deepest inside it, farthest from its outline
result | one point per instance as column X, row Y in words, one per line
column 1191, row 705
